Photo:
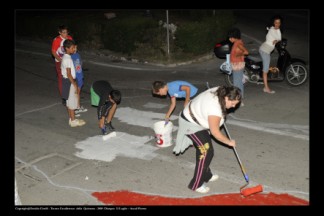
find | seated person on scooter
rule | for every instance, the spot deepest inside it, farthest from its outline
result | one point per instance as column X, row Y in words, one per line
column 175, row 89
column 107, row 99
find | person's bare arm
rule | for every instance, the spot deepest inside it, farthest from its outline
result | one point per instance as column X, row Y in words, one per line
column 273, row 34
column 214, row 122
column 172, row 106
column 58, row 58
column 187, row 90
column 73, row 82
column 243, row 49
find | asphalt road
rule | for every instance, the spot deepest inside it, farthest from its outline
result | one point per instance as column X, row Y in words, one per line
column 59, row 165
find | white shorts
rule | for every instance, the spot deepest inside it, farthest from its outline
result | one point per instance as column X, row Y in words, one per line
column 72, row 101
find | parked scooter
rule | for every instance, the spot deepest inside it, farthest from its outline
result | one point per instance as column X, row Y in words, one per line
column 292, row 70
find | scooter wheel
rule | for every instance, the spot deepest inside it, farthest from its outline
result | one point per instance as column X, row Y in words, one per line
column 229, row 79
column 296, row 74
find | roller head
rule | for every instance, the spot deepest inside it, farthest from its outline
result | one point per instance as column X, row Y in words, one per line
column 108, row 136
column 252, row 190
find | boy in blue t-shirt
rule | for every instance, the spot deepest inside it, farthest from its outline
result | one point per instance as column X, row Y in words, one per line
column 79, row 78
column 175, row 89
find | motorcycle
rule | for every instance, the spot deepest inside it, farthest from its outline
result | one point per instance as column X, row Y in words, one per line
column 291, row 70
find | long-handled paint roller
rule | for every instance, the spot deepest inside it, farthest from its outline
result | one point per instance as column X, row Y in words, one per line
column 247, row 191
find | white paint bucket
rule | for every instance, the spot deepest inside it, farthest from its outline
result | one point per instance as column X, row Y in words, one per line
column 163, row 133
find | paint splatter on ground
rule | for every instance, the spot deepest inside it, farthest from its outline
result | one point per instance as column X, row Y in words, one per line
column 141, row 118
column 131, row 198
column 127, row 145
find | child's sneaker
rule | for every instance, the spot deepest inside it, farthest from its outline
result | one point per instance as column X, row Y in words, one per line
column 202, row 189
column 81, row 121
column 214, row 178
column 77, row 122
column 80, row 110
column 104, row 130
column 109, row 126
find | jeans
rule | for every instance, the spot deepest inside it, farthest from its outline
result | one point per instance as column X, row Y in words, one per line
column 265, row 61
column 238, row 80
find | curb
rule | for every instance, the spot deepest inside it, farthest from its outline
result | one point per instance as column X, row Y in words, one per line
column 108, row 54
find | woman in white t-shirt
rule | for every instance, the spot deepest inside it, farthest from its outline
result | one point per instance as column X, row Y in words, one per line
column 273, row 36
column 204, row 115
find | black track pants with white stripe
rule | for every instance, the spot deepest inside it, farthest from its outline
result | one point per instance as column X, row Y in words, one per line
column 204, row 155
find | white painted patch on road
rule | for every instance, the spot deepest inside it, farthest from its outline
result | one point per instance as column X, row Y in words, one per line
column 124, row 144
column 154, row 105
column 140, row 118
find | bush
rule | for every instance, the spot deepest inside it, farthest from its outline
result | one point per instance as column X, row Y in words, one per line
column 36, row 26
column 87, row 32
column 122, row 34
column 200, row 37
column 131, row 32
column 84, row 28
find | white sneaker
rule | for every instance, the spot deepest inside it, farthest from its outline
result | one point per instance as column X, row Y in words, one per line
column 81, row 121
column 80, row 110
column 202, row 189
column 75, row 116
column 213, row 178
column 77, row 122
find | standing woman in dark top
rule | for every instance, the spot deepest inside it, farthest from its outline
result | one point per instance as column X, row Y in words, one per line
column 238, row 52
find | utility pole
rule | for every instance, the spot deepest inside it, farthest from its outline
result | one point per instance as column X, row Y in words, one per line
column 168, row 42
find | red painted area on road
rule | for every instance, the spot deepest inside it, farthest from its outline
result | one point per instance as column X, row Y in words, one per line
column 124, row 197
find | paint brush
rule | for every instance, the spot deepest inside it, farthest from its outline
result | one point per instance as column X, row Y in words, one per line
column 166, row 122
